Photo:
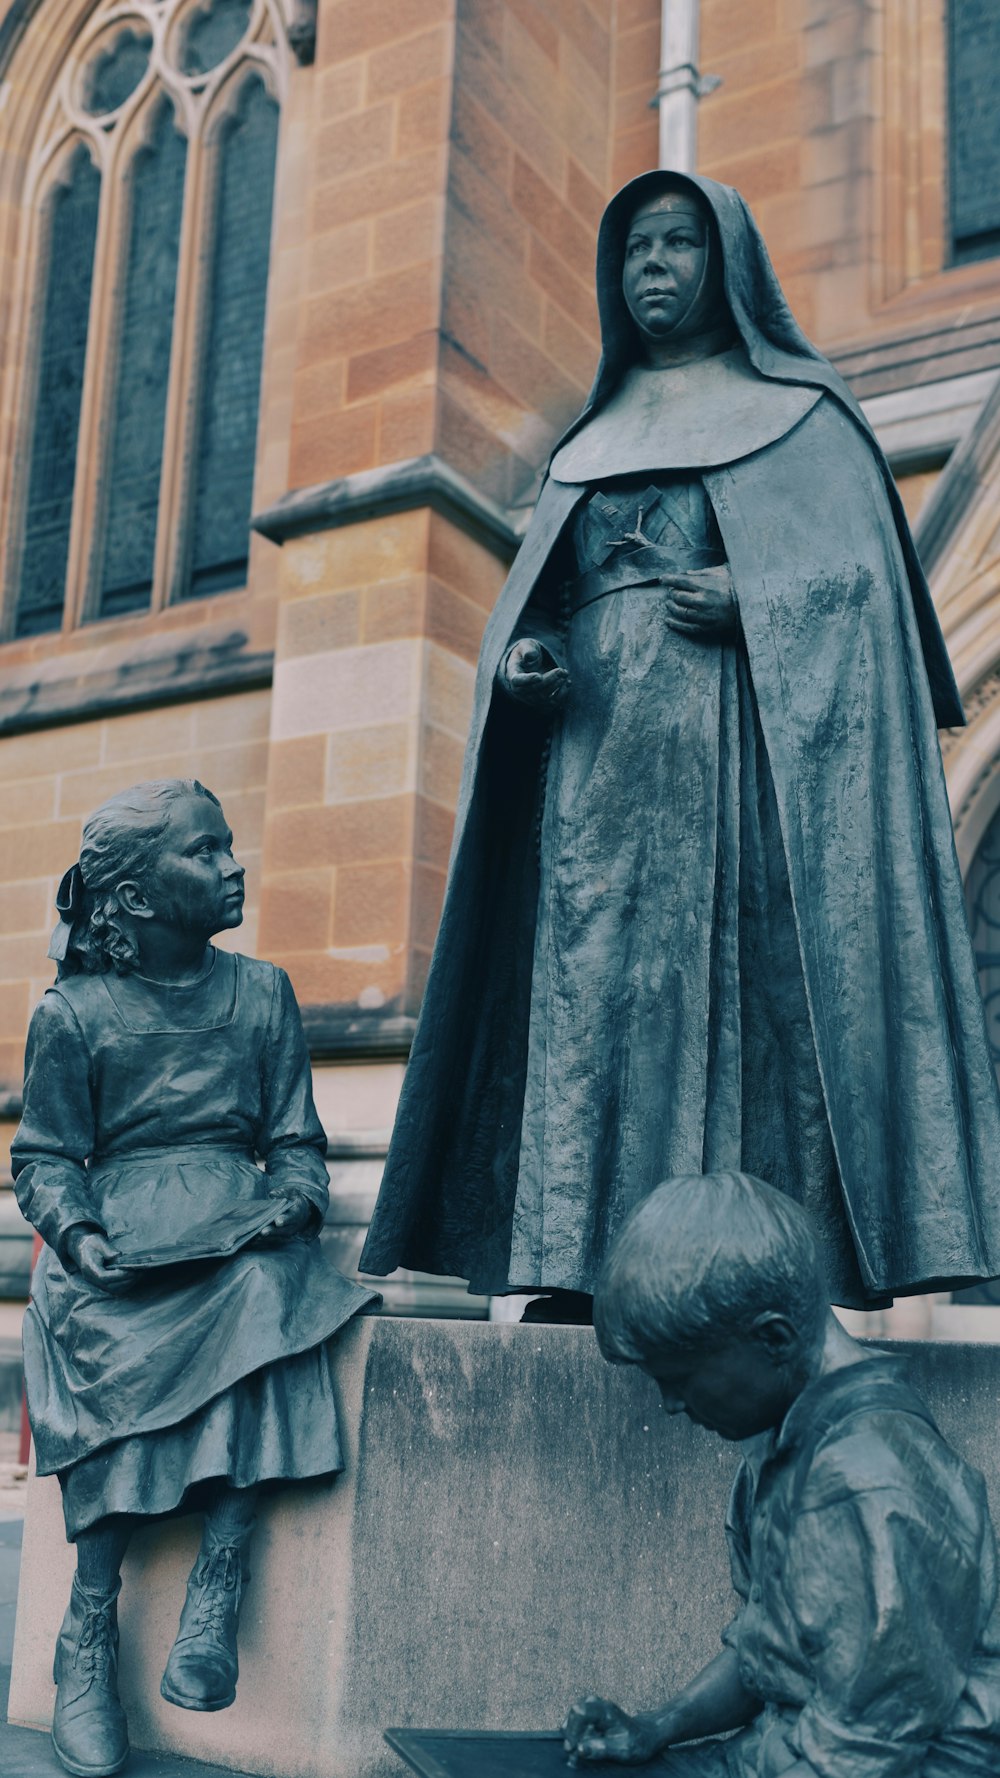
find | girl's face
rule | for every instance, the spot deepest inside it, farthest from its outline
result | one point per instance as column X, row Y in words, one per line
column 196, row 883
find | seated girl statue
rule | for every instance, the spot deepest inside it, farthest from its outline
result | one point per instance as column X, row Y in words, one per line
column 867, row 1644
column 177, row 1346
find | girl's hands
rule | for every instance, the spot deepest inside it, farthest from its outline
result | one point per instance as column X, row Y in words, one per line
column 294, row 1214
column 96, row 1260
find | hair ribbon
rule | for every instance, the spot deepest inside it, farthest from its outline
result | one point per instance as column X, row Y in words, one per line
column 69, row 903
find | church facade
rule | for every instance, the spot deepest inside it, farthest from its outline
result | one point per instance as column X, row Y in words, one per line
column 294, row 300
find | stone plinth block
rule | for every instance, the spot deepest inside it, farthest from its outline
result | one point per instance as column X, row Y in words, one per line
column 519, row 1522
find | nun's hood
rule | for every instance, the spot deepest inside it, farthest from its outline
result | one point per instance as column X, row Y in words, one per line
column 775, row 344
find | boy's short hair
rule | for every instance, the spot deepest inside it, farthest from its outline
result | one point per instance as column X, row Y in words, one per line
column 699, row 1260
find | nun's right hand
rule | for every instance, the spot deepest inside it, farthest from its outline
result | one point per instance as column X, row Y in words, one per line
column 529, row 674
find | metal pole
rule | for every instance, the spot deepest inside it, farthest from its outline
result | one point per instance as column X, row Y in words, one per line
column 680, row 85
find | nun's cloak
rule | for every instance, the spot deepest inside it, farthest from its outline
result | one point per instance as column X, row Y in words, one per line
column 709, row 915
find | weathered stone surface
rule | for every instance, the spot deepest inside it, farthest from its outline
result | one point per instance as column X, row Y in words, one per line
column 519, row 1522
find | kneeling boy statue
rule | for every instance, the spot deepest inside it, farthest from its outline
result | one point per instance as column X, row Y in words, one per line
column 867, row 1644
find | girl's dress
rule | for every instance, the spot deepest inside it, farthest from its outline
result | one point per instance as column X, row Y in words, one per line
column 146, row 1111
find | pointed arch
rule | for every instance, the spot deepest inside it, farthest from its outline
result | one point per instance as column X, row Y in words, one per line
column 65, row 277
column 126, row 546
column 176, row 104
column 241, row 186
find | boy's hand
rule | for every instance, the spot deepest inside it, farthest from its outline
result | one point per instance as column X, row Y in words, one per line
column 96, row 1260
column 598, row 1730
column 294, row 1214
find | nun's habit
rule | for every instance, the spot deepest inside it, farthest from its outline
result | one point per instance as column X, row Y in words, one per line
column 709, row 915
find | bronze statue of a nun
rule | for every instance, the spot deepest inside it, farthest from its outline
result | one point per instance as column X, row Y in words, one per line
column 704, row 910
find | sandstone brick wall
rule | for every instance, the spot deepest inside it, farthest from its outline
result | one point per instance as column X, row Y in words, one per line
column 551, row 114
column 363, row 391
column 379, row 633
column 831, row 120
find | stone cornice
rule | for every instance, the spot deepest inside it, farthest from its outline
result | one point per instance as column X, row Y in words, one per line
column 175, row 665
column 395, row 487
column 968, row 471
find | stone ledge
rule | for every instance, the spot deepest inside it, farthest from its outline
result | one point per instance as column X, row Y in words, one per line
column 518, row 1522
column 161, row 669
column 926, row 354
column 395, row 487
column 960, row 484
column 918, row 428
column 334, row 1033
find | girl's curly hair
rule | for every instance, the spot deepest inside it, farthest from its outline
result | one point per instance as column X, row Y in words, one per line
column 121, row 842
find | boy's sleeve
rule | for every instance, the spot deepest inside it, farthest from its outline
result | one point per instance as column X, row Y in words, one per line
column 56, row 1133
column 292, row 1141
column 887, row 1605
column 738, row 1516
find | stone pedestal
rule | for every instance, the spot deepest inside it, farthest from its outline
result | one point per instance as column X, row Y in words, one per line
column 519, row 1522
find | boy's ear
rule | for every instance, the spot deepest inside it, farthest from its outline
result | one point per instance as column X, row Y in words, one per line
column 133, row 901
column 779, row 1336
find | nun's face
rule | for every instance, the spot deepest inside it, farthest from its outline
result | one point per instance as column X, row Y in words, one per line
column 666, row 259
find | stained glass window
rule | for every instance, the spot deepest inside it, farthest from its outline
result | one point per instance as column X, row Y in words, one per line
column 136, row 453
column 974, row 133
column 147, row 305
column 69, row 235
column 229, row 382
column 115, row 72
column 210, row 33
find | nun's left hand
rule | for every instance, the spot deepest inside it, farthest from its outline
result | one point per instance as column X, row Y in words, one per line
column 702, row 604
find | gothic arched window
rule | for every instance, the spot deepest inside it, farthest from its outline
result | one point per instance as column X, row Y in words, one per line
column 974, row 129
column 151, row 199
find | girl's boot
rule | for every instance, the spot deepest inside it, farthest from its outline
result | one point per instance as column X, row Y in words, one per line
column 203, row 1668
column 89, row 1732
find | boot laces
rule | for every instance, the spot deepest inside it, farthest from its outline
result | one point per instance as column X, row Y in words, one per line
column 219, row 1581
column 95, row 1650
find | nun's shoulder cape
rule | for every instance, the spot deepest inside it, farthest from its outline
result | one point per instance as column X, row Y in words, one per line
column 851, row 677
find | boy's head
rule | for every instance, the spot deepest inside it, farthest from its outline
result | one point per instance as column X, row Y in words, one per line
column 715, row 1287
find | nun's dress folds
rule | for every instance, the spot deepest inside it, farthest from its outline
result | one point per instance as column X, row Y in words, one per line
column 709, row 915
column 146, row 1110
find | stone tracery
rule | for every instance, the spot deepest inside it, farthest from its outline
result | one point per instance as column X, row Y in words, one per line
column 158, row 100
